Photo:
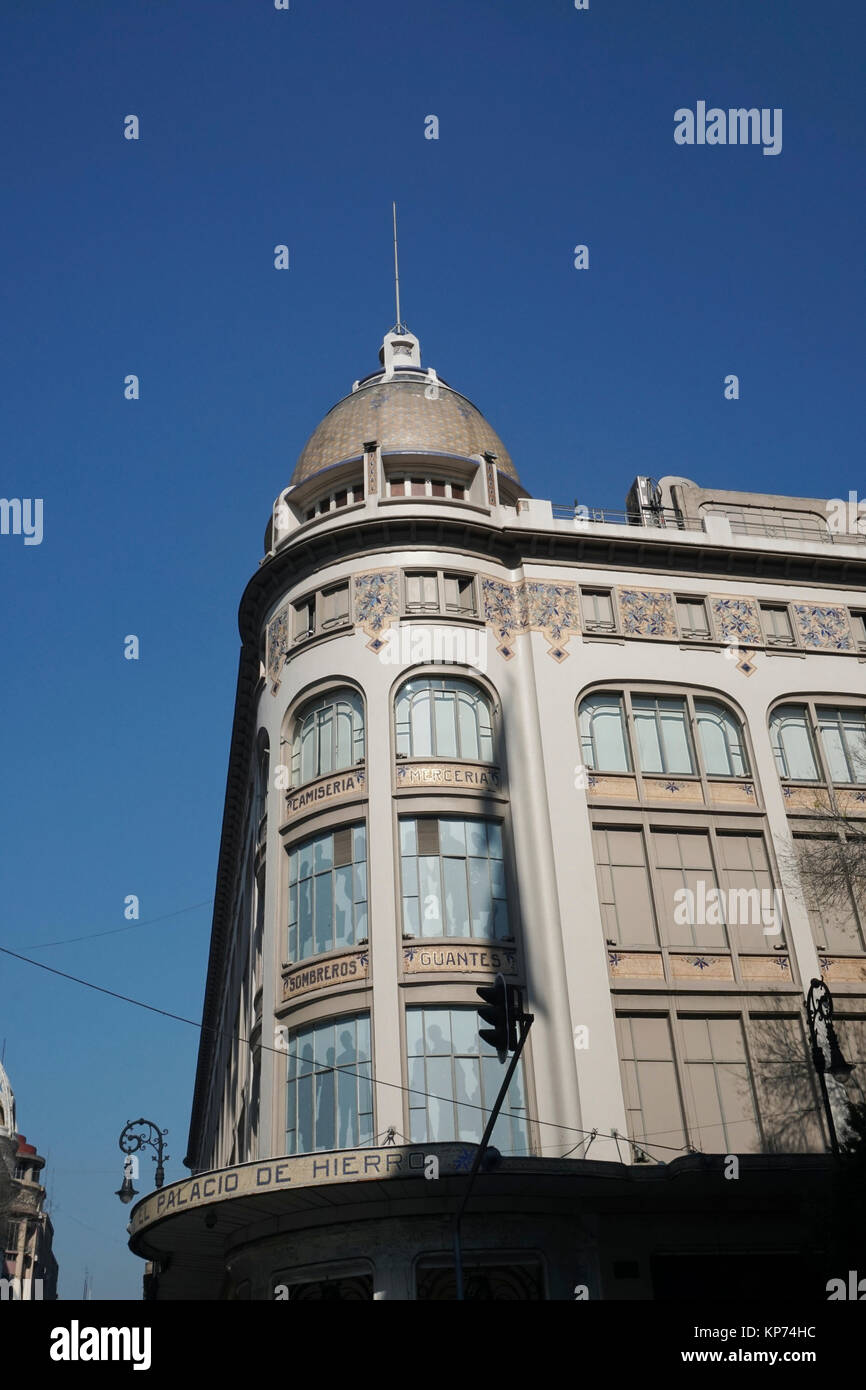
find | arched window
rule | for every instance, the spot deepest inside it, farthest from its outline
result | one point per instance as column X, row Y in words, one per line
column 329, row 736
column 840, row 734
column 792, row 743
column 843, row 739
column 329, row 1102
column 444, row 718
column 262, row 773
column 602, row 733
column 662, row 742
column 721, row 737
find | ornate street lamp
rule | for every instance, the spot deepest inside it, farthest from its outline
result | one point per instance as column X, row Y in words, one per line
column 126, row 1191
column 130, row 1142
column 826, row 1053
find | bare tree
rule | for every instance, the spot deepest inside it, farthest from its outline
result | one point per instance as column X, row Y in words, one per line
column 829, row 851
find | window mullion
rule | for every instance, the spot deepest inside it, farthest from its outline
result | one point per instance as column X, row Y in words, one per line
column 688, row 1109
column 654, row 886
column 697, row 751
column 660, row 735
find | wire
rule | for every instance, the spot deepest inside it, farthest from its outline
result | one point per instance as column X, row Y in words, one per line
column 217, row 1032
column 115, row 931
column 67, row 1216
column 394, row 1085
column 40, row 965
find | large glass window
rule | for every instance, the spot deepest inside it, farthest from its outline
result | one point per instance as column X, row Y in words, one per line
column 723, row 1084
column 834, row 902
column 444, row 718
column 454, row 1079
column 329, row 736
column 750, row 906
column 453, row 878
column 328, row 892
column 662, row 735
column 603, row 738
column 852, row 1040
column 706, row 889
column 843, row 740
column 785, row 1085
column 653, row 1106
column 685, row 875
column 330, row 1086
column 792, row 743
column 719, row 1085
column 624, row 886
column 721, row 739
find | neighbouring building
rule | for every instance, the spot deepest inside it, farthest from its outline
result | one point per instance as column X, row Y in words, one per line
column 29, row 1270
column 477, row 733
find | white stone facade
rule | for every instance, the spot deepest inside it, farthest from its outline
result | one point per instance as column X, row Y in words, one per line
column 433, row 566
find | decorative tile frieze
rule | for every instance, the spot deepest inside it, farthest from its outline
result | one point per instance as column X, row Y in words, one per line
column 851, row 803
column 823, row 628
column 738, row 620
column 665, row 789
column 277, row 647
column 502, row 606
column 806, row 799
column 636, row 965
column 551, row 609
column 703, row 966
column 776, row 967
column 733, row 793
column 843, row 968
column 376, row 603
column 531, row 606
column 647, row 613
column 607, row 786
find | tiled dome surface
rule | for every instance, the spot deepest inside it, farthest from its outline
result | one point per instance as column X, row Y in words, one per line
column 400, row 416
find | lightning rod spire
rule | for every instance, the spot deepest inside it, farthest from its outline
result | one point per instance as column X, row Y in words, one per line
column 399, row 326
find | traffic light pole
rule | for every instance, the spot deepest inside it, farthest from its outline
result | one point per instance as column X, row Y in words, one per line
column 525, row 1021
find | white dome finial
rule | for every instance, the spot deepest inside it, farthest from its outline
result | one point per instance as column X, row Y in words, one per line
column 400, row 348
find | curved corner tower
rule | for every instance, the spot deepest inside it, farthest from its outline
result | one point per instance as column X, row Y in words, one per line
column 476, row 734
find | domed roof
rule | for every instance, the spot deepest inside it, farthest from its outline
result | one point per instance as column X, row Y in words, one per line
column 406, row 410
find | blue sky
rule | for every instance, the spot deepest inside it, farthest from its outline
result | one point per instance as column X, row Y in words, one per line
column 155, row 257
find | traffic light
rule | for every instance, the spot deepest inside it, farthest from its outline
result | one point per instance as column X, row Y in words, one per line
column 501, row 1012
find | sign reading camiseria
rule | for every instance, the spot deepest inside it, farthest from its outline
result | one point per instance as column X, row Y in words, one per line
column 328, row 790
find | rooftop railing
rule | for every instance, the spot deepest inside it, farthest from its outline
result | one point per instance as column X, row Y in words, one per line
column 793, row 531
column 607, row 516
column 670, row 518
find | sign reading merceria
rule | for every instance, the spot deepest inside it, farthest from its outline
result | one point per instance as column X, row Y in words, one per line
column 472, row 777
